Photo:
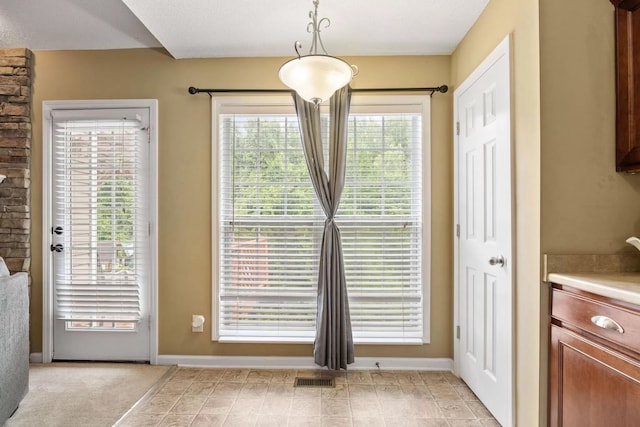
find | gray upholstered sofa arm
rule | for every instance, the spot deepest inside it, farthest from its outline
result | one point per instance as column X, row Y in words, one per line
column 14, row 342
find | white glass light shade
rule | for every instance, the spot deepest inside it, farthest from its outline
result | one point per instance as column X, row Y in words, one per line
column 315, row 77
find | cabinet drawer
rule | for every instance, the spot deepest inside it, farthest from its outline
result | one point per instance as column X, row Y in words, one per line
column 584, row 312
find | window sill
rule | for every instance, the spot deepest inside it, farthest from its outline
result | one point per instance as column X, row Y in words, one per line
column 310, row 340
column 266, row 340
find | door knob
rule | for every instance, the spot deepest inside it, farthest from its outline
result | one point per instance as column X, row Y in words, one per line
column 497, row 260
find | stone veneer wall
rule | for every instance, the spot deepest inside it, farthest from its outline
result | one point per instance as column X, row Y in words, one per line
column 15, row 158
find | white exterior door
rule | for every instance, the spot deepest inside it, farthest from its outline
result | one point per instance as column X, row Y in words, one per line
column 484, row 235
column 100, row 234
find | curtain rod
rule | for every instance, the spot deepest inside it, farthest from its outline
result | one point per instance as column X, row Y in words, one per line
column 441, row 89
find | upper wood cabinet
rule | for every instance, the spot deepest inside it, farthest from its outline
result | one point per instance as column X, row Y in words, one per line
column 627, row 16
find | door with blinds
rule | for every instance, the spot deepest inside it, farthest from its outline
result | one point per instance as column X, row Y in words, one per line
column 100, row 228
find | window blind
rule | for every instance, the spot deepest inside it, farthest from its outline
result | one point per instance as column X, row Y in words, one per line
column 380, row 219
column 100, row 203
column 270, row 224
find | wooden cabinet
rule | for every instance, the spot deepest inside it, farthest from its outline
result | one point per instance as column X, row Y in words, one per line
column 595, row 361
column 627, row 17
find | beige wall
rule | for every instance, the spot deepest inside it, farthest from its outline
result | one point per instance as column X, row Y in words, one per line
column 587, row 207
column 184, row 177
column 520, row 19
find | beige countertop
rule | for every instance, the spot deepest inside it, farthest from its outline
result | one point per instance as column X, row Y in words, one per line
column 620, row 286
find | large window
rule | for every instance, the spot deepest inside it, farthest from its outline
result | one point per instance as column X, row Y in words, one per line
column 268, row 224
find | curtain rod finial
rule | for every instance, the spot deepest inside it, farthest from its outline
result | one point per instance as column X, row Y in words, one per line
column 193, row 90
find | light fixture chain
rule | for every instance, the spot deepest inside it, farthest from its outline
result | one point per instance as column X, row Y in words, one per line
column 314, row 28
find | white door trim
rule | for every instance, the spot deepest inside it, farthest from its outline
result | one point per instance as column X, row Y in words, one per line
column 503, row 49
column 47, row 278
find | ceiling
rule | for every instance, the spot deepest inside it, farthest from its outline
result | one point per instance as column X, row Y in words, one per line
column 238, row 28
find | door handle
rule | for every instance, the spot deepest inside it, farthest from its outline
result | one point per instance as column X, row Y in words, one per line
column 57, row 230
column 56, row 248
column 497, row 260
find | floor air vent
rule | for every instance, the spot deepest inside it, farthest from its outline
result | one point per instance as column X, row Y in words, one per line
column 314, row 382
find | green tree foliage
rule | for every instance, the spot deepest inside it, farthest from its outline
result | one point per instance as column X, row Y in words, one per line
column 274, row 203
column 271, row 177
column 115, row 204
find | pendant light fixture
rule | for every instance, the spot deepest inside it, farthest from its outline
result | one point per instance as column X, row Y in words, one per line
column 316, row 76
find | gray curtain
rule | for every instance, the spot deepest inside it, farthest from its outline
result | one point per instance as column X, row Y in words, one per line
column 333, row 345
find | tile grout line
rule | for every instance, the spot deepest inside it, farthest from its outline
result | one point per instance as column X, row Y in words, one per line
column 460, row 397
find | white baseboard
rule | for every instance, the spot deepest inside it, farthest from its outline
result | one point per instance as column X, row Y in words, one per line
column 361, row 363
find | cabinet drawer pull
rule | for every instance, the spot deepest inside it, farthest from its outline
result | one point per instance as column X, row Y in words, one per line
column 607, row 323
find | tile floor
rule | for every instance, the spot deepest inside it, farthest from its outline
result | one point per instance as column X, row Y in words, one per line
column 258, row 397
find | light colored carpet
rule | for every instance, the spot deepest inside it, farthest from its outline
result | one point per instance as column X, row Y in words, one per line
column 83, row 394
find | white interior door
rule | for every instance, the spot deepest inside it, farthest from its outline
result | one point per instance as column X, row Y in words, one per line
column 484, row 237
column 100, row 233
